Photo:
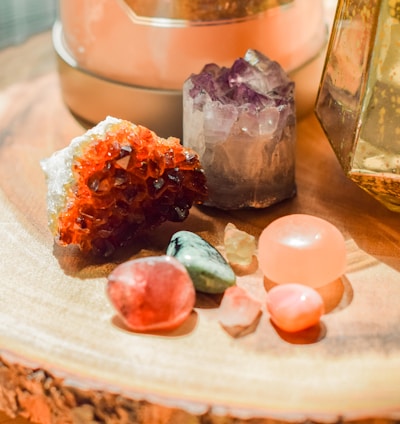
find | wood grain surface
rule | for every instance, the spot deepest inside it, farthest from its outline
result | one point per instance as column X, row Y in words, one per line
column 65, row 357
column 5, row 419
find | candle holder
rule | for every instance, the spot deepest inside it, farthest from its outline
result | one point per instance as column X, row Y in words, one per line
column 358, row 103
column 130, row 58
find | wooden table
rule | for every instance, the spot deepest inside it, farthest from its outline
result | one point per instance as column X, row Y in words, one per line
column 65, row 358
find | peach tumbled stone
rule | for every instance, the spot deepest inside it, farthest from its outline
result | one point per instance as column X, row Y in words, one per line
column 239, row 312
column 238, row 307
column 151, row 293
column 302, row 248
column 294, row 307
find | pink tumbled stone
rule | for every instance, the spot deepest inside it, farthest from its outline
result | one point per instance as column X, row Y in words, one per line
column 302, row 248
column 238, row 307
column 294, row 307
column 151, row 293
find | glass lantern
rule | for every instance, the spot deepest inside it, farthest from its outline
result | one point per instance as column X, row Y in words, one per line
column 358, row 103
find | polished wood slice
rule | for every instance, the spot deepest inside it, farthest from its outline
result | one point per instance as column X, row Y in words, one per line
column 65, row 357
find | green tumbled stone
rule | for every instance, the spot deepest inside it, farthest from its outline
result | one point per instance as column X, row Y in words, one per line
column 209, row 271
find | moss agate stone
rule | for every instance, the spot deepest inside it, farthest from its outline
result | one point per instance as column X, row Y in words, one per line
column 209, row 271
column 241, row 122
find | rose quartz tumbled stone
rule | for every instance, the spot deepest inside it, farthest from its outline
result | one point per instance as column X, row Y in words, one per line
column 238, row 308
column 294, row 307
column 239, row 312
column 151, row 293
column 303, row 249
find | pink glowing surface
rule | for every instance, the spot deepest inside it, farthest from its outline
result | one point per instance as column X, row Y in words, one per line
column 302, row 249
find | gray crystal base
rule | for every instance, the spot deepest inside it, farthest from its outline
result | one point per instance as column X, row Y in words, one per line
column 250, row 172
column 230, row 196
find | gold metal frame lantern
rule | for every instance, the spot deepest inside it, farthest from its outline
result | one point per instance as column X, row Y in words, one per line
column 358, row 103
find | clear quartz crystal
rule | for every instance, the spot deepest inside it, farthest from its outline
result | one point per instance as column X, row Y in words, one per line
column 241, row 122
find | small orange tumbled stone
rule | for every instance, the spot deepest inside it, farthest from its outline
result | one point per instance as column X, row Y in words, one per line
column 294, row 307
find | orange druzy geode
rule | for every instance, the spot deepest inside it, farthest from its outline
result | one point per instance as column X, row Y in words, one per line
column 117, row 181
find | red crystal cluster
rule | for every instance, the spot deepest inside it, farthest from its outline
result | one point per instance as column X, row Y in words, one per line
column 128, row 183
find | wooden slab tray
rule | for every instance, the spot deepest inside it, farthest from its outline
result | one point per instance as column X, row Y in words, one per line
column 64, row 356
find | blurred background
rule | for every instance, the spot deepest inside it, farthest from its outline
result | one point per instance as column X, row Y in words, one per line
column 19, row 19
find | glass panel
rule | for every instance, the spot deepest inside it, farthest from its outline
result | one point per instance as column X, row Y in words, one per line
column 358, row 103
column 196, row 11
column 345, row 75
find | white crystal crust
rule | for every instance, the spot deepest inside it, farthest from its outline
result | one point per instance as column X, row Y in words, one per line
column 58, row 167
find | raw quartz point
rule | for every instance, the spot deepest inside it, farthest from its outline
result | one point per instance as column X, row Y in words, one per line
column 241, row 121
column 151, row 293
column 239, row 246
column 294, row 307
column 302, row 248
column 239, row 312
column 209, row 270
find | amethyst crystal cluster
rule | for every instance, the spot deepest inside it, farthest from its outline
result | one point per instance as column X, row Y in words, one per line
column 241, row 121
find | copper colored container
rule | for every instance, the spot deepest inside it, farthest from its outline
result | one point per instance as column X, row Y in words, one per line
column 130, row 58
